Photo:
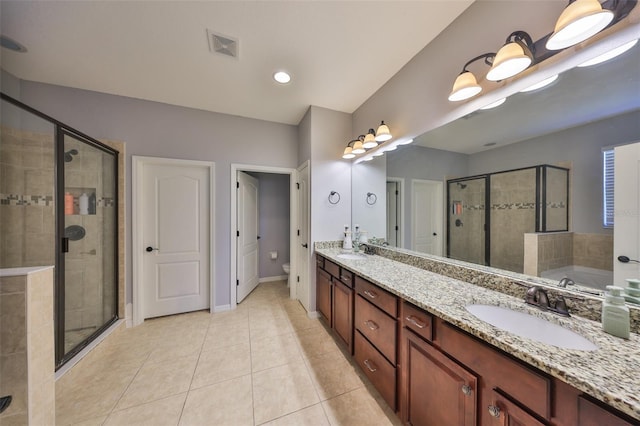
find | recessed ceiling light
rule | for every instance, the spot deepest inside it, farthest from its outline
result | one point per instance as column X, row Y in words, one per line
column 610, row 54
column 9, row 43
column 494, row 104
column 282, row 77
column 540, row 84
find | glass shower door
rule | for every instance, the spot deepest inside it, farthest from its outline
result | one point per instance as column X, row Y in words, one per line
column 466, row 220
column 88, row 282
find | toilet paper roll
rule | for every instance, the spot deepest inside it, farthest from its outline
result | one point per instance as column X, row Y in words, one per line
column 273, row 255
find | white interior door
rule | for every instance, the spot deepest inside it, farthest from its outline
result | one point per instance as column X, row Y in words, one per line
column 175, row 204
column 426, row 216
column 302, row 248
column 247, row 235
column 626, row 199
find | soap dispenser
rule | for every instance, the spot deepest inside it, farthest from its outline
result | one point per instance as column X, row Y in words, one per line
column 347, row 244
column 615, row 314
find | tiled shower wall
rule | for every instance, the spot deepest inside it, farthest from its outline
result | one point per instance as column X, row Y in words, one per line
column 466, row 233
column 27, row 215
column 555, row 250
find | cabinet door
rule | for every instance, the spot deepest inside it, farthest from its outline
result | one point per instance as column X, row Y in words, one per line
column 590, row 414
column 343, row 313
column 503, row 412
column 436, row 390
column 323, row 295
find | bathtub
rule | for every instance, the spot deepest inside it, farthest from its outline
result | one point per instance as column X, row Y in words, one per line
column 582, row 275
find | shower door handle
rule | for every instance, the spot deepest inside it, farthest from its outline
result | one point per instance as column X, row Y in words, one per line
column 65, row 245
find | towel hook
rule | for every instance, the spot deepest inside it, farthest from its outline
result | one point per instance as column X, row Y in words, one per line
column 334, row 197
column 371, row 198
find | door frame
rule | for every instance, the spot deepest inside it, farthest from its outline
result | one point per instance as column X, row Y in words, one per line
column 137, row 170
column 233, row 264
column 401, row 230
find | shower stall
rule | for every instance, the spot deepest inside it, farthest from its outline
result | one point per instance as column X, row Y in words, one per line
column 489, row 214
column 58, row 206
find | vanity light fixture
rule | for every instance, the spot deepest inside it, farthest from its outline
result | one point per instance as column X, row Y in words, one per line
column 383, row 134
column 406, row 142
column 610, row 54
column 540, row 84
column 348, row 153
column 370, row 140
column 378, row 153
column 466, row 86
column 358, row 146
column 494, row 104
column 512, row 58
column 580, row 20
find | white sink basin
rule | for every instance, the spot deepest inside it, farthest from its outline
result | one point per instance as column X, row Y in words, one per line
column 531, row 327
column 352, row 256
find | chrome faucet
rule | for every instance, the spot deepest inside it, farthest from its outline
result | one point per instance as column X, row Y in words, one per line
column 565, row 282
column 537, row 296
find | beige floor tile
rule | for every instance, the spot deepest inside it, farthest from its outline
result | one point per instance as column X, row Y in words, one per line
column 269, row 326
column 159, row 380
column 177, row 347
column 333, row 374
column 315, row 343
column 303, row 322
column 96, row 421
column 311, row 416
column 81, row 400
column 357, row 407
column 282, row 390
column 162, row 412
column 269, row 352
column 222, row 364
column 224, row 335
column 222, row 404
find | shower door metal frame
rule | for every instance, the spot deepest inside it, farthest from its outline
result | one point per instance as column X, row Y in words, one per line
column 60, row 130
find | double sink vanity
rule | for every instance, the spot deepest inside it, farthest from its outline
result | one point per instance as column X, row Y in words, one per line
column 442, row 350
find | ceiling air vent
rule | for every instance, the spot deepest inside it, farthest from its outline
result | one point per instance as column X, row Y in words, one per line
column 222, row 44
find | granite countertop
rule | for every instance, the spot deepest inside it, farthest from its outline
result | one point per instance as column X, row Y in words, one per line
column 609, row 373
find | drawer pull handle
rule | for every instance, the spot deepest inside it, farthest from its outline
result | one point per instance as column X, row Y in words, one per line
column 494, row 411
column 372, row 325
column 343, row 278
column 369, row 364
column 466, row 389
column 371, row 294
column 413, row 320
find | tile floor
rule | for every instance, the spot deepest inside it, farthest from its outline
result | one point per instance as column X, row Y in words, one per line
column 265, row 363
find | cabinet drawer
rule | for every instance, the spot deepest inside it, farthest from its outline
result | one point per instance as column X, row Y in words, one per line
column 319, row 261
column 417, row 320
column 523, row 384
column 379, row 371
column 331, row 268
column 346, row 277
column 591, row 414
column 378, row 327
column 379, row 297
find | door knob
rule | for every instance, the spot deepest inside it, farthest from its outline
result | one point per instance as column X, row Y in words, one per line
column 150, row 249
column 435, row 234
column 305, row 245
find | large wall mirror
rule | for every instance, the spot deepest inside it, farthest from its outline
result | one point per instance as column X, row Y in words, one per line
column 424, row 188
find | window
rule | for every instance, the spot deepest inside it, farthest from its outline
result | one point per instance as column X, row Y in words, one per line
column 607, row 187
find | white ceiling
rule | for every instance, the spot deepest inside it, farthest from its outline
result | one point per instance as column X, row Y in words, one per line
column 338, row 52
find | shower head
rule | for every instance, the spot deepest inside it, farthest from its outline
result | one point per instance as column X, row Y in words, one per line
column 68, row 155
column 461, row 185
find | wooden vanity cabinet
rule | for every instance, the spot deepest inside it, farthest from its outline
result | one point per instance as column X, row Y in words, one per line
column 343, row 313
column 334, row 299
column 324, row 295
column 376, row 337
column 591, row 413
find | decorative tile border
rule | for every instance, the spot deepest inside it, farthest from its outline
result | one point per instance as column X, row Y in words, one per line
column 26, row 200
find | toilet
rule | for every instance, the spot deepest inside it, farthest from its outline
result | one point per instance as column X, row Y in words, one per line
column 286, row 268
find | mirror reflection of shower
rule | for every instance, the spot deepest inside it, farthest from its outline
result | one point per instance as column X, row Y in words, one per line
column 461, row 185
column 68, row 156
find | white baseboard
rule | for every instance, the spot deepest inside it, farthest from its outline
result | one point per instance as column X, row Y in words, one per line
column 313, row 314
column 221, row 308
column 128, row 315
column 276, row 278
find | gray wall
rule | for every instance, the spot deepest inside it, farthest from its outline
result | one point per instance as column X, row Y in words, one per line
column 417, row 162
column 160, row 130
column 582, row 146
column 274, row 221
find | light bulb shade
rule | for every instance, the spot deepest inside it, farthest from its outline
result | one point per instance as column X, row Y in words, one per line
column 370, row 140
column 540, row 84
column 383, row 133
column 348, row 153
column 609, row 55
column 577, row 22
column 358, row 148
column 494, row 104
column 511, row 59
column 466, row 86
